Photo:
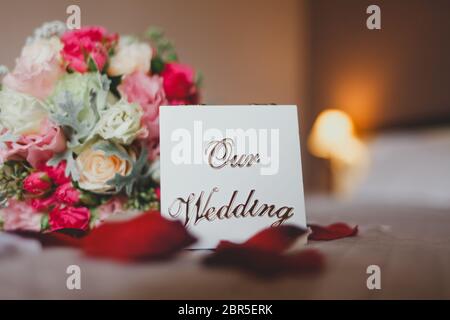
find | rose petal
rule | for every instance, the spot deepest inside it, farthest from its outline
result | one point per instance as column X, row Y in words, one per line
column 149, row 236
column 333, row 231
column 266, row 263
column 263, row 255
column 274, row 239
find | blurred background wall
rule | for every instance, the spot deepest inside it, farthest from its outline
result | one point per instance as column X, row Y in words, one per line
column 314, row 53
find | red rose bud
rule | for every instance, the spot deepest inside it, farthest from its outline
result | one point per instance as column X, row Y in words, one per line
column 178, row 83
column 67, row 194
column 42, row 204
column 37, row 183
column 57, row 174
column 69, row 218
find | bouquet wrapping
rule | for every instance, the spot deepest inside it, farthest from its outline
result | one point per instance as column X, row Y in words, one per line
column 79, row 126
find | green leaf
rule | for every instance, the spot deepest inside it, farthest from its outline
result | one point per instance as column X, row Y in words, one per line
column 199, row 79
column 157, row 65
column 45, row 222
column 92, row 66
column 172, row 57
column 154, row 34
column 12, row 174
column 115, row 82
column 138, row 173
column 164, row 48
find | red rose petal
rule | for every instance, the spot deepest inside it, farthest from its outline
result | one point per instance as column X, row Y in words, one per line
column 149, row 236
column 262, row 254
column 266, row 263
column 333, row 231
column 274, row 239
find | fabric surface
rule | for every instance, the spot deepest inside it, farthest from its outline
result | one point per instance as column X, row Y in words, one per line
column 411, row 246
column 409, row 167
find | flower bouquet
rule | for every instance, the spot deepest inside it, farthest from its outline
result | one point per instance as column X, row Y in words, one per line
column 79, row 126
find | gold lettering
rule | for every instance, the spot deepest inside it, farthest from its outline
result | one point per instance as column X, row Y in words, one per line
column 203, row 211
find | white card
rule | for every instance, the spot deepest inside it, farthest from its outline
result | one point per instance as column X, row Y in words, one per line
column 228, row 172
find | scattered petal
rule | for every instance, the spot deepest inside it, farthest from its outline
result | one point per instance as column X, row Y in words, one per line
column 262, row 254
column 332, row 232
column 274, row 239
column 148, row 236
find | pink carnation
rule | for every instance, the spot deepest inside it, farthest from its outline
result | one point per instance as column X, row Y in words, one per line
column 148, row 92
column 69, row 218
column 179, row 84
column 86, row 43
column 20, row 216
column 37, row 183
column 42, row 204
column 36, row 148
column 67, row 194
column 57, row 173
column 110, row 208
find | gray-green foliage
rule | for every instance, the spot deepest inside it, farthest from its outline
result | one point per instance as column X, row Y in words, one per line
column 140, row 167
column 76, row 106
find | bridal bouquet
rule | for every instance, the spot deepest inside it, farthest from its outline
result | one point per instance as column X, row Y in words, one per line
column 79, row 126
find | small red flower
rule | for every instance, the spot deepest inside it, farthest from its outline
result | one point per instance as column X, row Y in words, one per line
column 42, row 204
column 179, row 84
column 67, row 194
column 87, row 43
column 332, row 232
column 57, row 173
column 37, row 183
column 69, row 218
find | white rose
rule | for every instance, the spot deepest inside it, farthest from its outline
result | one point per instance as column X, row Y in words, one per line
column 96, row 169
column 120, row 123
column 130, row 56
column 37, row 69
column 20, row 113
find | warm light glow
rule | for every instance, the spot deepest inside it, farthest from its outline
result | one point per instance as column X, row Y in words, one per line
column 332, row 135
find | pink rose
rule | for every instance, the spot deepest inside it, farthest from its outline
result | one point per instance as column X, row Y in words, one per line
column 37, row 183
column 37, row 69
column 145, row 90
column 36, row 148
column 179, row 84
column 20, row 216
column 86, row 43
column 67, row 194
column 158, row 193
column 69, row 218
column 57, row 173
column 148, row 92
column 110, row 208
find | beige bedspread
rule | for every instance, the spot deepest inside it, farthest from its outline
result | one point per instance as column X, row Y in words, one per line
column 411, row 246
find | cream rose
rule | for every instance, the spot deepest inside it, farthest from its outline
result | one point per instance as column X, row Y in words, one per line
column 20, row 113
column 96, row 169
column 120, row 123
column 37, row 69
column 130, row 56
